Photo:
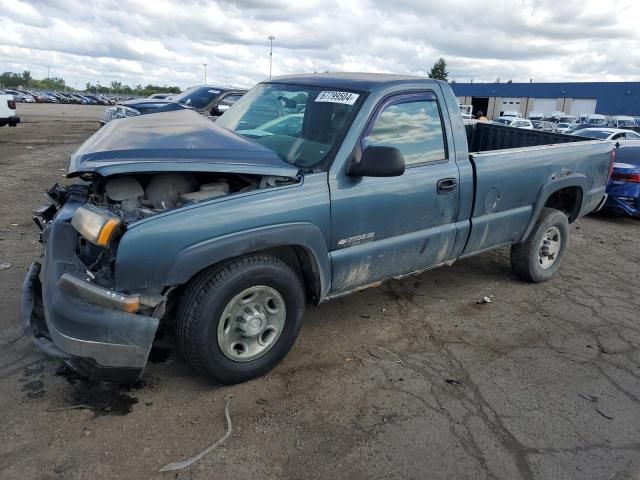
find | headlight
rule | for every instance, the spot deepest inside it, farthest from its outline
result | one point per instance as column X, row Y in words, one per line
column 95, row 225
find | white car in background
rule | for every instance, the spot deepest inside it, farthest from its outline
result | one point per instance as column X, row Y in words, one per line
column 564, row 127
column 8, row 111
column 622, row 121
column 597, row 120
column 564, row 118
column 19, row 96
column 514, row 122
column 607, row 134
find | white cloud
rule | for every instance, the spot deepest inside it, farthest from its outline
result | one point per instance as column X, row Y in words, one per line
column 163, row 42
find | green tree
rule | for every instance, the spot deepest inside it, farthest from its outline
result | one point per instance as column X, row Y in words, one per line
column 26, row 78
column 439, row 70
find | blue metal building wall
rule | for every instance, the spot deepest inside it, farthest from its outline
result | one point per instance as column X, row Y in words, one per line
column 614, row 98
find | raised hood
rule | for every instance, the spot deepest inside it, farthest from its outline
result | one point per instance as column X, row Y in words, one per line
column 180, row 141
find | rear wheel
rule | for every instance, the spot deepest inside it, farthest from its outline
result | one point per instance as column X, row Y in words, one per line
column 538, row 259
column 239, row 320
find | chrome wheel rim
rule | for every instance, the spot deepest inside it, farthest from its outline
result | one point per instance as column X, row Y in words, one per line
column 549, row 248
column 251, row 323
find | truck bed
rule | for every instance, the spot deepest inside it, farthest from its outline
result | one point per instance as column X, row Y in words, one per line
column 511, row 164
column 484, row 137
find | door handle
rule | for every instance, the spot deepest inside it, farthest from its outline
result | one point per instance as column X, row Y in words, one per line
column 447, row 185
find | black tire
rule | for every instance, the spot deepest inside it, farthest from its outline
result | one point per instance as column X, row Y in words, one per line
column 207, row 296
column 525, row 257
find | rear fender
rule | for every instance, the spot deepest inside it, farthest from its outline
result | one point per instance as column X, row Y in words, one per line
column 578, row 180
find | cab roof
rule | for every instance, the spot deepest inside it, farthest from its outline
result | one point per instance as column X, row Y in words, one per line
column 352, row 81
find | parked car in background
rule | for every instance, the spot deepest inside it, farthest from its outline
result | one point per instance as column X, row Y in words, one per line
column 536, row 116
column 382, row 180
column 8, row 111
column 47, row 97
column 607, row 133
column 510, row 113
column 81, row 99
column 207, row 100
column 18, row 96
column 562, row 127
column 514, row 122
column 544, row 125
column 570, row 119
column 624, row 186
column 71, row 98
column 621, row 121
column 98, row 99
column 595, row 119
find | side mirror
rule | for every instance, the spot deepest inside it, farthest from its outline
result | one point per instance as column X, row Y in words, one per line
column 378, row 161
column 219, row 109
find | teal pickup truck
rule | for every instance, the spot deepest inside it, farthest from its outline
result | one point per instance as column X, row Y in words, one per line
column 306, row 189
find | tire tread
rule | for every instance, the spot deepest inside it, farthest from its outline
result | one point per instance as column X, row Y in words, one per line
column 521, row 254
column 195, row 296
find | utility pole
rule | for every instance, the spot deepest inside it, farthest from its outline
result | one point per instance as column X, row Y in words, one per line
column 271, row 38
column 48, row 71
column 205, row 72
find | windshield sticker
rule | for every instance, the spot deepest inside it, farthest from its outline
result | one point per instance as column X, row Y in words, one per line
column 346, row 98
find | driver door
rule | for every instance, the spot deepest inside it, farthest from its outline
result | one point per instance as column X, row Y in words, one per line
column 386, row 227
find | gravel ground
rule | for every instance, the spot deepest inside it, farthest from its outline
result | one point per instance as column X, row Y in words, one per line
column 543, row 382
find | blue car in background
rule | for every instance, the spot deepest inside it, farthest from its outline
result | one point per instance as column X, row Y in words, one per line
column 624, row 186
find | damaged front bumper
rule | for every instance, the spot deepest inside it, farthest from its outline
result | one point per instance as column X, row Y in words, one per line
column 77, row 322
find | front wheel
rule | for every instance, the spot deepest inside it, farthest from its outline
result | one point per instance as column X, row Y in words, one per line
column 239, row 320
column 538, row 259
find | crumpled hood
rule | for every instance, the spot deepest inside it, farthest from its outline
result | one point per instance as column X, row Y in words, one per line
column 180, row 141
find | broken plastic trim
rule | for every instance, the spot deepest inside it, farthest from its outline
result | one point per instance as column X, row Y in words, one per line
column 98, row 295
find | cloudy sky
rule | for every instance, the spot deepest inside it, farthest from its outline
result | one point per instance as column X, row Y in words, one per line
column 163, row 42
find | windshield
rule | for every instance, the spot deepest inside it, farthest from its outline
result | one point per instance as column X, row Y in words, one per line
column 505, row 121
column 626, row 123
column 301, row 124
column 597, row 121
column 197, row 97
column 602, row 134
column 563, row 125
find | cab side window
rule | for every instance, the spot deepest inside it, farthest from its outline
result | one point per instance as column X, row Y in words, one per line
column 414, row 128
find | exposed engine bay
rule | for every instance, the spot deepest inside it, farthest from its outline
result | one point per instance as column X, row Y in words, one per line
column 133, row 197
column 136, row 196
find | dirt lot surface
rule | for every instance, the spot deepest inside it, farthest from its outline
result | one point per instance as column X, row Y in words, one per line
column 543, row 382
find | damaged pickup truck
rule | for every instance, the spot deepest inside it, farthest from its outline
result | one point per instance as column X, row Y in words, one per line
column 308, row 188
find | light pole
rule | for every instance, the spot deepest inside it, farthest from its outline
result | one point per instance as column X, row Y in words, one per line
column 271, row 39
column 205, row 72
column 47, row 71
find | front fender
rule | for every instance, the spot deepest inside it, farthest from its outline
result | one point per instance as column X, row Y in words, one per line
column 204, row 254
column 573, row 180
column 187, row 262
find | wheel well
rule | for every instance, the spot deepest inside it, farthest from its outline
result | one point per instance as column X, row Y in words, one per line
column 567, row 200
column 298, row 258
column 303, row 263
